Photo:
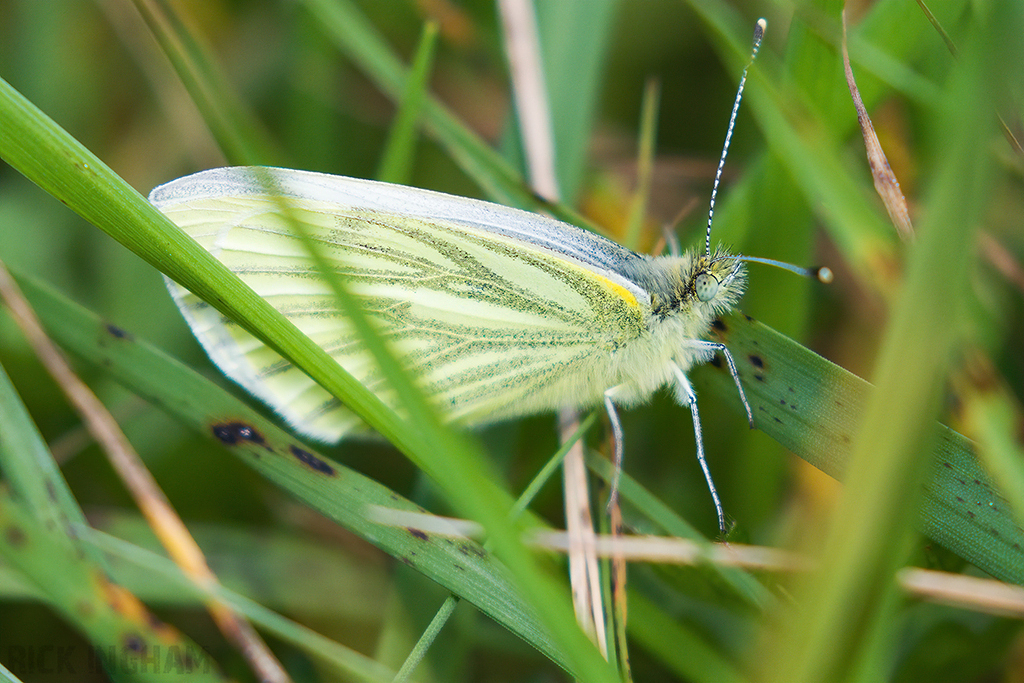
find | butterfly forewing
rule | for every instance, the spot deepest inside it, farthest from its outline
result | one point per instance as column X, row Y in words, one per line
column 491, row 323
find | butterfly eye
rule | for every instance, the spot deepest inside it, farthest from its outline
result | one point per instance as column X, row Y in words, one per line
column 706, row 286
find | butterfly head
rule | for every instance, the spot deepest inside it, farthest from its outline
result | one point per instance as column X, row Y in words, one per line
column 716, row 281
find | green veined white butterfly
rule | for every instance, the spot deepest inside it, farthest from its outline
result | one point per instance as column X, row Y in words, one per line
column 497, row 312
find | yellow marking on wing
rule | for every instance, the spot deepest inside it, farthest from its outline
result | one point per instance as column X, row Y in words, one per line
column 610, row 285
column 624, row 293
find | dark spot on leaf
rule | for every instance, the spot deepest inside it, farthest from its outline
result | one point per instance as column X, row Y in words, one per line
column 135, row 643
column 311, row 461
column 407, row 561
column 777, row 419
column 846, row 438
column 971, row 514
column 715, row 362
column 418, row 533
column 749, row 319
column 234, row 433
column 782, row 401
column 15, row 536
column 758, row 376
column 117, row 332
column 756, row 360
column 994, row 532
column 791, row 390
column 719, row 325
column 959, row 499
column 474, row 550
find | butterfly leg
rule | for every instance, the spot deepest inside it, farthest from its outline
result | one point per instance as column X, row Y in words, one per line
column 716, row 346
column 691, row 399
column 613, row 418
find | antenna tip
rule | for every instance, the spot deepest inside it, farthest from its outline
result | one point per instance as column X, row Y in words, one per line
column 824, row 274
column 759, row 29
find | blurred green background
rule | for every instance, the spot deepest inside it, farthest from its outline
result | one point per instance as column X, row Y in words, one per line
column 95, row 68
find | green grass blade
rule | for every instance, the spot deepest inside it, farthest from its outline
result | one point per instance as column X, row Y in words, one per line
column 575, row 38
column 104, row 613
column 396, row 162
column 60, row 165
column 813, row 408
column 725, row 583
column 29, row 467
column 345, row 661
column 691, row 657
column 363, row 44
column 839, row 607
column 463, row 567
column 237, row 131
column 990, row 414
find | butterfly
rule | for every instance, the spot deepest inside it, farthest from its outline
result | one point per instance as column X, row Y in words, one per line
column 496, row 312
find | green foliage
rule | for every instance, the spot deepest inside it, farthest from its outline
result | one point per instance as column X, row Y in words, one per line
column 314, row 83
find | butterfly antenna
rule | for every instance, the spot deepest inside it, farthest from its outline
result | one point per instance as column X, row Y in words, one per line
column 821, row 273
column 758, row 35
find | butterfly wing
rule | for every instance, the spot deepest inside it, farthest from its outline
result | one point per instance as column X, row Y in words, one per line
column 495, row 312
